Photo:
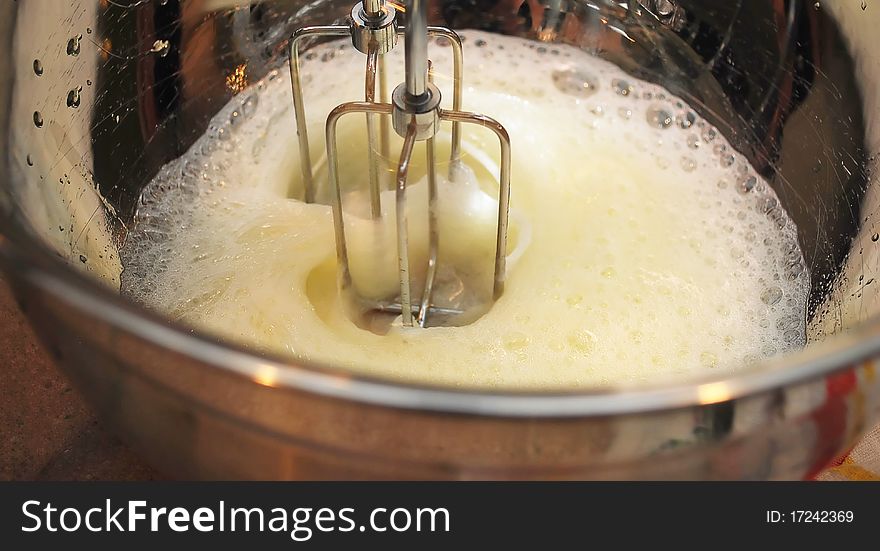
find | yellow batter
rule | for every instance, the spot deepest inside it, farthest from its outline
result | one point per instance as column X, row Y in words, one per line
column 643, row 245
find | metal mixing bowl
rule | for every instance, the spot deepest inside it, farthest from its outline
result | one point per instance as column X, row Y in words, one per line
column 97, row 95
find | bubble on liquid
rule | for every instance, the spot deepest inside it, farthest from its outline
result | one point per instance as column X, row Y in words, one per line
column 73, row 98
column 686, row 119
column 708, row 134
column 747, row 184
column 658, row 117
column 622, row 87
column 29, row 160
column 794, row 271
column 875, row 237
column 223, row 134
column 688, row 164
column 625, row 113
column 793, row 337
column 73, row 46
column 768, row 205
column 693, row 141
column 575, row 82
column 38, row 119
column 708, row 360
column 582, row 341
column 38, row 67
column 249, row 105
column 516, row 341
column 771, row 296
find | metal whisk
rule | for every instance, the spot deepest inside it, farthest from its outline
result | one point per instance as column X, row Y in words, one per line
column 415, row 114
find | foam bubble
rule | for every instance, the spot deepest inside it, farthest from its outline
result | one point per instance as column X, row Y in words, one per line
column 654, row 249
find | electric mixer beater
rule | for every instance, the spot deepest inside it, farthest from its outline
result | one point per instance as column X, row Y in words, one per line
column 415, row 114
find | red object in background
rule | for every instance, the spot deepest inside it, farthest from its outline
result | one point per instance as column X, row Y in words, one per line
column 830, row 420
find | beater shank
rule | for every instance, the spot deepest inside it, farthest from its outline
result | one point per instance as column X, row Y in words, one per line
column 357, row 29
column 416, row 49
column 370, row 96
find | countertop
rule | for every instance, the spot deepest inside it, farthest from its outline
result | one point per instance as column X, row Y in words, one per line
column 47, row 432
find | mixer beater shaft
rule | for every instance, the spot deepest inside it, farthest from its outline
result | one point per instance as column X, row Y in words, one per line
column 372, row 138
column 383, row 43
column 415, row 115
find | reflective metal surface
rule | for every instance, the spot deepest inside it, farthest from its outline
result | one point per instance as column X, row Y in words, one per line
column 99, row 95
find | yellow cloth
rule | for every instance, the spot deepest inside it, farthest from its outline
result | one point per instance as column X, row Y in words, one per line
column 862, row 463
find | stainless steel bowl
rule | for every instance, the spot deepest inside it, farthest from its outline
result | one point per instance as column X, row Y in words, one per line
column 98, row 95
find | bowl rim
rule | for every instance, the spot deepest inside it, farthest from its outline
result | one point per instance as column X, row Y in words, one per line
column 24, row 256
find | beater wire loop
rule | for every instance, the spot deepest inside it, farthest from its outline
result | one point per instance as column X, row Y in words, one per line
column 414, row 112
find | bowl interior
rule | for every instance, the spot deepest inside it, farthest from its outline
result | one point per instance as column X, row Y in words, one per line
column 104, row 94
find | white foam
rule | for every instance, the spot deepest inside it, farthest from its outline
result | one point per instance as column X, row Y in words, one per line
column 654, row 248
